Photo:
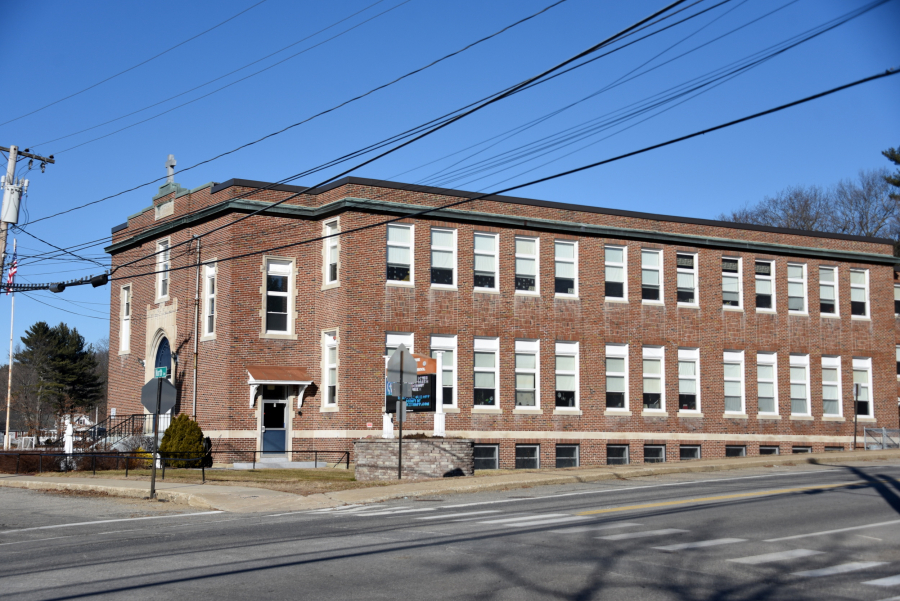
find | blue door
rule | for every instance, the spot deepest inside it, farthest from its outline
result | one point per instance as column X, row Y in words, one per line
column 274, row 427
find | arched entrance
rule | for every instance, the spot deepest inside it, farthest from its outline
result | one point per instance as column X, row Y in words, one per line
column 164, row 356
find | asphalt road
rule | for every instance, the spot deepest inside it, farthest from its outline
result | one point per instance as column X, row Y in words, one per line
column 811, row 532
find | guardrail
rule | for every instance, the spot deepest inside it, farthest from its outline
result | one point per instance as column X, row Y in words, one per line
column 126, row 458
column 881, row 438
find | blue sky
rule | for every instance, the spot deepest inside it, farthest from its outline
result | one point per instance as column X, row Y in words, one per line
column 61, row 48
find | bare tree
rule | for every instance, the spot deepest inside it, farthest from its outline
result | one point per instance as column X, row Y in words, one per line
column 864, row 207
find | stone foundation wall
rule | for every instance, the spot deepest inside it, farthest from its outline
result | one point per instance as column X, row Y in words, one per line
column 376, row 458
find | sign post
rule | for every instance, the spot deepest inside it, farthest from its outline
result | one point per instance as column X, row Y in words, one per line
column 157, row 396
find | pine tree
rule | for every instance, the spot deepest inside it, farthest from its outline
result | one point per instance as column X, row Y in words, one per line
column 40, row 346
column 893, row 155
column 74, row 366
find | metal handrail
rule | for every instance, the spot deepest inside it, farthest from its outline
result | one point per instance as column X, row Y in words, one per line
column 345, row 455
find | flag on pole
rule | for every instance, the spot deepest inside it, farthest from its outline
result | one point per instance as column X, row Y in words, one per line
column 13, row 268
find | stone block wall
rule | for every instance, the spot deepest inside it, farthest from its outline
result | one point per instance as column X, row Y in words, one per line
column 376, row 458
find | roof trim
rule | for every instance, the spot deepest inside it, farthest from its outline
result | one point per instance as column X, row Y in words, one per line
column 119, row 228
column 252, row 183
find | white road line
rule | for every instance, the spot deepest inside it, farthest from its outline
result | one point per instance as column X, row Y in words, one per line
column 571, row 518
column 507, row 514
column 363, row 514
column 152, row 517
column 892, row 599
column 532, row 516
column 701, row 544
column 778, row 556
column 456, row 515
column 340, row 508
column 580, row 529
column 824, row 532
column 889, row 581
column 840, row 568
column 643, row 534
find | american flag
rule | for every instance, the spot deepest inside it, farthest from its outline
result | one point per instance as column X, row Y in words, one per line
column 13, row 268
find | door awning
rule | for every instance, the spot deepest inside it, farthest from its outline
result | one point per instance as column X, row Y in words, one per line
column 277, row 374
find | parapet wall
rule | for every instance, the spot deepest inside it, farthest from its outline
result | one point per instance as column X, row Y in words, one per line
column 376, row 458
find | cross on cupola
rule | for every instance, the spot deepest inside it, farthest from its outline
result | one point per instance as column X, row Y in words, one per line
column 170, row 169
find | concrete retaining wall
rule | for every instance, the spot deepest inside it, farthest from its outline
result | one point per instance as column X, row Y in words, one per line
column 376, row 458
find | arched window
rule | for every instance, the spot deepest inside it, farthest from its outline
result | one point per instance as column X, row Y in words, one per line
column 164, row 356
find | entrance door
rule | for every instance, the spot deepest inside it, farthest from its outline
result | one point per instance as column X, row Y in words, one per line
column 274, row 427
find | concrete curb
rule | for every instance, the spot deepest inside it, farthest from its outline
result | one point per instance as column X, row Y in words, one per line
column 194, row 500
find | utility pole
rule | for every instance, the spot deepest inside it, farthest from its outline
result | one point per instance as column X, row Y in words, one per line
column 12, row 317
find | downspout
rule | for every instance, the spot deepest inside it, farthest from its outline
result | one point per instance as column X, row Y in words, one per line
column 196, row 328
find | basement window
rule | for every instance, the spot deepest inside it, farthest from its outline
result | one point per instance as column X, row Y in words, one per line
column 688, row 452
column 617, row 454
column 528, row 456
column 567, row 455
column 735, row 451
column 486, row 456
column 654, row 453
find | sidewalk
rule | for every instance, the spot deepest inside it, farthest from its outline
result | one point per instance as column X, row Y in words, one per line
column 244, row 499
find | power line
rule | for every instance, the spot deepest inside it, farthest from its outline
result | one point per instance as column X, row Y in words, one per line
column 37, row 300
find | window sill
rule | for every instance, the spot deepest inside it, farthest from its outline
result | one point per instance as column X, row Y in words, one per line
column 798, row 314
column 128, row 352
column 860, row 318
column 277, row 336
column 444, row 287
column 833, row 418
column 162, row 299
column 767, row 416
column 687, row 306
column 688, row 414
column 652, row 303
column 394, row 284
column 328, row 409
column 448, row 409
column 207, row 337
column 524, row 411
column 767, row 311
column 829, row 316
column 621, row 301
column 567, row 296
column 802, row 418
column 733, row 309
column 735, row 416
column 527, row 293
column 331, row 285
column 487, row 410
column 617, row 413
column 868, row 420
column 654, row 413
column 562, row 411
column 485, row 291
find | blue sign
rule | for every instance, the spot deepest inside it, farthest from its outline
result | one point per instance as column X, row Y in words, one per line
column 422, row 399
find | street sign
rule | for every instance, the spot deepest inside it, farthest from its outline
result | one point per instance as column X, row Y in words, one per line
column 161, row 372
column 166, row 395
column 420, row 397
column 409, row 366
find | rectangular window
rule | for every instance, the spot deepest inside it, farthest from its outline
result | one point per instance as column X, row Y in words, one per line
column 800, row 384
column 733, row 375
column 617, row 454
column 393, row 340
column 735, row 451
column 616, row 376
column 527, row 374
column 125, row 330
column 796, row 276
column 331, row 366
column 862, row 382
column 486, row 261
column 566, row 375
column 766, row 383
column 828, row 291
column 654, row 453
column 331, row 252
column 443, row 257
column 688, row 378
column 487, row 374
column 615, row 272
column 651, row 260
column 567, row 455
column 446, row 344
column 528, row 456
column 896, row 299
column 278, row 284
column 162, row 267
column 731, row 282
column 859, row 292
column 831, row 386
column 898, row 360
column 653, row 378
column 566, row 265
column 686, row 278
column 688, row 452
column 209, row 299
column 769, row 450
column 801, row 450
column 486, row 456
column 399, row 253
column 527, row 264
column 765, row 284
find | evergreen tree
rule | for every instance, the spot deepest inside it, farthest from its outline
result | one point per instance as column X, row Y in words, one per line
column 74, row 367
column 183, row 438
column 893, row 155
column 37, row 358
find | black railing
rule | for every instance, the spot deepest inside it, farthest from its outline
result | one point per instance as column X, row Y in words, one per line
column 344, row 456
column 126, row 458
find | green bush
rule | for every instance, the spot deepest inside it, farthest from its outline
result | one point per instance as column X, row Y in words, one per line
column 183, row 438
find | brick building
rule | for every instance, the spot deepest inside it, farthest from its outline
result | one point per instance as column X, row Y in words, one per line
column 571, row 334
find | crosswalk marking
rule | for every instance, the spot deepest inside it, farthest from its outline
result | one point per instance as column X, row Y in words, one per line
column 643, row 534
column 889, row 581
column 393, row 511
column 778, row 556
column 840, row 569
column 543, row 522
column 580, row 529
column 456, row 515
column 524, row 517
column 522, row 513
column 701, row 544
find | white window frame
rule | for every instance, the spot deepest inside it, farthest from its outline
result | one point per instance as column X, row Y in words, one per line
column 163, row 266
column 690, row 355
column 896, row 298
column 768, row 359
column 618, row 351
column 834, row 285
column 126, row 309
column 573, row 261
column 865, row 288
column 898, row 360
column 740, row 282
column 394, row 339
column 331, row 244
column 803, row 282
column 488, row 345
column 623, row 265
column 865, row 364
column 757, row 277
column 495, row 254
column 800, row 361
column 529, row 347
column 447, row 343
column 692, row 271
column 329, row 342
column 735, row 357
column 567, row 349
column 654, row 353
column 210, row 288
column 536, row 257
column 268, row 263
column 650, row 269
column 451, row 249
column 412, row 255
column 831, row 362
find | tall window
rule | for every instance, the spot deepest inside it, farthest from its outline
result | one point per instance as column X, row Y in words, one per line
column 653, row 377
column 765, row 285
column 443, row 257
column 615, row 272
column 125, row 330
column 859, row 292
column 486, row 372
column 399, row 253
column 688, row 377
column 331, row 366
column 733, row 372
column 828, row 290
column 896, row 299
column 527, row 373
column 766, row 383
column 731, row 282
column 278, row 283
column 395, row 339
column 486, row 261
column 447, row 344
column 800, row 384
column 566, row 267
column 686, row 278
column 898, row 360
column 567, row 375
column 209, row 299
column 796, row 275
column 162, row 267
column 527, row 264
column 862, row 376
column 331, row 252
column 831, row 386
column 650, row 280
column 616, row 376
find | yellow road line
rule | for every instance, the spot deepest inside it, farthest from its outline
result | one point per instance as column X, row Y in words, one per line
column 780, row 491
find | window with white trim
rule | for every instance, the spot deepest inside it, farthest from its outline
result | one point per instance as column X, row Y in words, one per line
column 566, row 375
column 686, row 278
column 733, row 376
column 443, row 257
column 767, row 383
column 487, row 372
column 399, row 253
column 566, row 266
column 527, row 252
column 125, row 329
column 209, row 299
column 331, row 367
column 617, row 376
column 651, row 283
column 828, row 304
column 278, row 289
column 528, row 374
column 765, row 285
column 331, row 252
column 688, row 379
column 615, row 258
column 862, row 376
column 392, row 340
column 800, row 385
column 731, row 282
column 447, row 344
column 486, row 261
column 859, row 292
column 831, row 386
column 896, row 299
column 898, row 360
column 654, row 387
column 162, row 267
column 796, row 277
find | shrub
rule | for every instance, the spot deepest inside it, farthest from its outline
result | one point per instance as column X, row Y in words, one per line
column 183, row 438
